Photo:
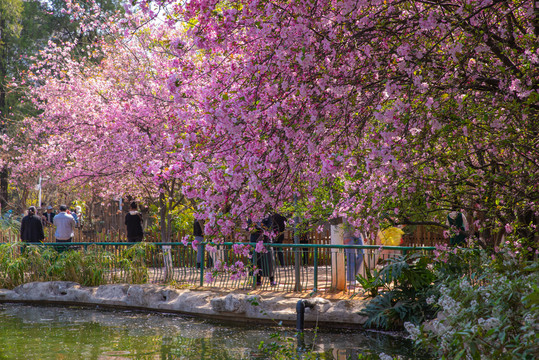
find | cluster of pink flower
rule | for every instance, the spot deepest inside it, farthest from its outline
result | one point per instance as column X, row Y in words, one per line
column 359, row 107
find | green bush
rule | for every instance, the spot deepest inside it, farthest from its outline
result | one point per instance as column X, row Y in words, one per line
column 490, row 312
column 22, row 263
column 41, row 260
column 400, row 292
column 133, row 262
column 12, row 265
column 96, row 266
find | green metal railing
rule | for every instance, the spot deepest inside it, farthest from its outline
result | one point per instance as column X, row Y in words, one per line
column 176, row 263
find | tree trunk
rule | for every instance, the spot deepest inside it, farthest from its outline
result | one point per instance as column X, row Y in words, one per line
column 165, row 237
column 3, row 188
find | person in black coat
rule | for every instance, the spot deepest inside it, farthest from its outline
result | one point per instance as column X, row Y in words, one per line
column 264, row 260
column 133, row 223
column 31, row 227
column 278, row 226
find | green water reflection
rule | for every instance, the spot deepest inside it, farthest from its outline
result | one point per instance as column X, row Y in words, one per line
column 30, row 332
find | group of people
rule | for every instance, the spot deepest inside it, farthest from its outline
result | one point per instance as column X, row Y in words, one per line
column 274, row 223
column 65, row 222
column 265, row 261
column 47, row 218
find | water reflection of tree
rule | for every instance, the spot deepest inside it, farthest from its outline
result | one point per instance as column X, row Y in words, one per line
column 28, row 332
column 199, row 348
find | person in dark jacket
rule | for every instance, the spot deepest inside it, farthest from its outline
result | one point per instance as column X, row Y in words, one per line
column 264, row 260
column 278, row 226
column 48, row 217
column 31, row 227
column 459, row 227
column 198, row 233
column 133, row 222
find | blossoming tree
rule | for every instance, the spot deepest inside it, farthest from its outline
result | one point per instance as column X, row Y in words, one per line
column 368, row 109
column 107, row 123
column 404, row 108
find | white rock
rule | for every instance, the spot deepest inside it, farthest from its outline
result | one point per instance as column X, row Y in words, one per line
column 235, row 306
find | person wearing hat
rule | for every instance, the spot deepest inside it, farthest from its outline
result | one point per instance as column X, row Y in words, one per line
column 48, row 216
column 31, row 227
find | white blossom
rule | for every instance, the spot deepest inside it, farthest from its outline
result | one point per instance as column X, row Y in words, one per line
column 465, row 285
column 383, row 356
column 412, row 330
column 529, row 319
column 489, row 323
column 450, row 305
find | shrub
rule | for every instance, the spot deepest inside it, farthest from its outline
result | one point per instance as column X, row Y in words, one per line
column 400, row 290
column 495, row 316
column 12, row 265
column 21, row 263
column 133, row 262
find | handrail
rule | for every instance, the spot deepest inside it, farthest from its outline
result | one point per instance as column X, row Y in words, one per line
column 312, row 246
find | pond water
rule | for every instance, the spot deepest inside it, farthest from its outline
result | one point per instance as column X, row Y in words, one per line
column 43, row 332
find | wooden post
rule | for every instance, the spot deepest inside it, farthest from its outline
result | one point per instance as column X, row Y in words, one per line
column 338, row 271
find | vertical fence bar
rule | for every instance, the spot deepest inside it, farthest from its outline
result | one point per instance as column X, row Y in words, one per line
column 297, row 254
column 202, row 258
column 255, row 261
column 315, row 260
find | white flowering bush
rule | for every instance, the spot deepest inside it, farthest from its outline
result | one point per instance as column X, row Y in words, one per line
column 489, row 312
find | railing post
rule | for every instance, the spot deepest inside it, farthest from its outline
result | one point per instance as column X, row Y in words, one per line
column 338, row 269
column 315, row 269
column 255, row 258
column 202, row 248
column 297, row 254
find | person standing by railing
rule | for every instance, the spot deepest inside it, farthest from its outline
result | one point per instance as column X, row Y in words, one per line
column 458, row 227
column 48, row 217
column 198, row 233
column 133, row 223
column 264, row 261
column 354, row 257
column 31, row 227
column 278, row 227
column 65, row 227
column 78, row 212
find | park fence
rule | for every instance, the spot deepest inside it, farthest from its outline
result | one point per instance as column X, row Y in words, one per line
column 313, row 268
column 420, row 236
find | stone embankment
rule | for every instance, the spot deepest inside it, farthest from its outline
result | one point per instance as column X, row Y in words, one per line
column 233, row 306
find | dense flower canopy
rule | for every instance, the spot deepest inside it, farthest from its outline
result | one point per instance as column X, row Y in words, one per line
column 367, row 110
column 387, row 105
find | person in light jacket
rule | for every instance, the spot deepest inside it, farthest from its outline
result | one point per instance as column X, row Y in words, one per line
column 65, row 225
